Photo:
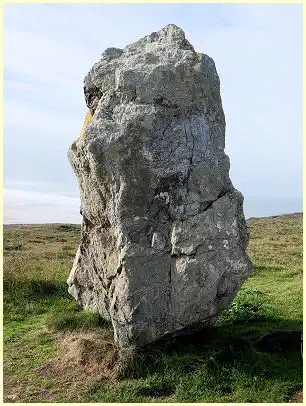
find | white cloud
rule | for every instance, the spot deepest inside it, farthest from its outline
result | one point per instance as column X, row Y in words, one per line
column 33, row 207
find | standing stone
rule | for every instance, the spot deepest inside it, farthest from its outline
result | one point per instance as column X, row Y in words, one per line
column 164, row 238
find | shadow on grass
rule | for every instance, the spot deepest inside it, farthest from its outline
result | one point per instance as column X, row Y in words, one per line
column 33, row 297
column 214, row 363
column 218, row 364
column 34, row 290
column 265, row 268
column 216, row 347
column 24, row 298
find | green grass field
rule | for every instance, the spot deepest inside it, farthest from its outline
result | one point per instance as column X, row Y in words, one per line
column 56, row 352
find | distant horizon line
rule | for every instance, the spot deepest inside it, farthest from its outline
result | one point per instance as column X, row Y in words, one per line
column 296, row 213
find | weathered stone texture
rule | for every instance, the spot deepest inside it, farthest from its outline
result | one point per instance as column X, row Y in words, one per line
column 164, row 239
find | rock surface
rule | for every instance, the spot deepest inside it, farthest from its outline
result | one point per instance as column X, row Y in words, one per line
column 164, row 239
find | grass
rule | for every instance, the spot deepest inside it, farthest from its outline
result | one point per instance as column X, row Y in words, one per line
column 56, row 352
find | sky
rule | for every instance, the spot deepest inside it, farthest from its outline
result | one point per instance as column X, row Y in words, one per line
column 49, row 48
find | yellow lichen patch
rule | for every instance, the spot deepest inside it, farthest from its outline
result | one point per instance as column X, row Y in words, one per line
column 87, row 121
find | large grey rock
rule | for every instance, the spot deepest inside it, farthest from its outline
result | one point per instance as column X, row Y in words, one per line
column 164, row 239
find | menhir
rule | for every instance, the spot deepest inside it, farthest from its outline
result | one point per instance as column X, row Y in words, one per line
column 163, row 245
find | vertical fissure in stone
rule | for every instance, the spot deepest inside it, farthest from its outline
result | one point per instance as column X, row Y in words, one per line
column 170, row 296
column 190, row 167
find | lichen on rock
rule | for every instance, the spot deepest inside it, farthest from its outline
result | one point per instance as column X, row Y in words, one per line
column 87, row 122
column 163, row 244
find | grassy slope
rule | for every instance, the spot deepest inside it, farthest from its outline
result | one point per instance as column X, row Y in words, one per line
column 220, row 367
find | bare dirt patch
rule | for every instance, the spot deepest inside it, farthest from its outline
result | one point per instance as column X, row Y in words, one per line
column 298, row 397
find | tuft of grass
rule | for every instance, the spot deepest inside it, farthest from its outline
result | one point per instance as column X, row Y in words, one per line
column 76, row 320
column 250, row 305
column 56, row 352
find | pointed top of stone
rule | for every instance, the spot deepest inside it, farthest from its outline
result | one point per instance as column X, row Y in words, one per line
column 171, row 35
column 112, row 53
column 173, row 28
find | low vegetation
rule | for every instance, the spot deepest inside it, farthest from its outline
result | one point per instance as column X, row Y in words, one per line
column 56, row 352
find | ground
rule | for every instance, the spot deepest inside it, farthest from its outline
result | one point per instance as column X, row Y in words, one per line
column 56, row 352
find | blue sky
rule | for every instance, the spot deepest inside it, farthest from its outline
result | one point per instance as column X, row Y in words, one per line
column 48, row 49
